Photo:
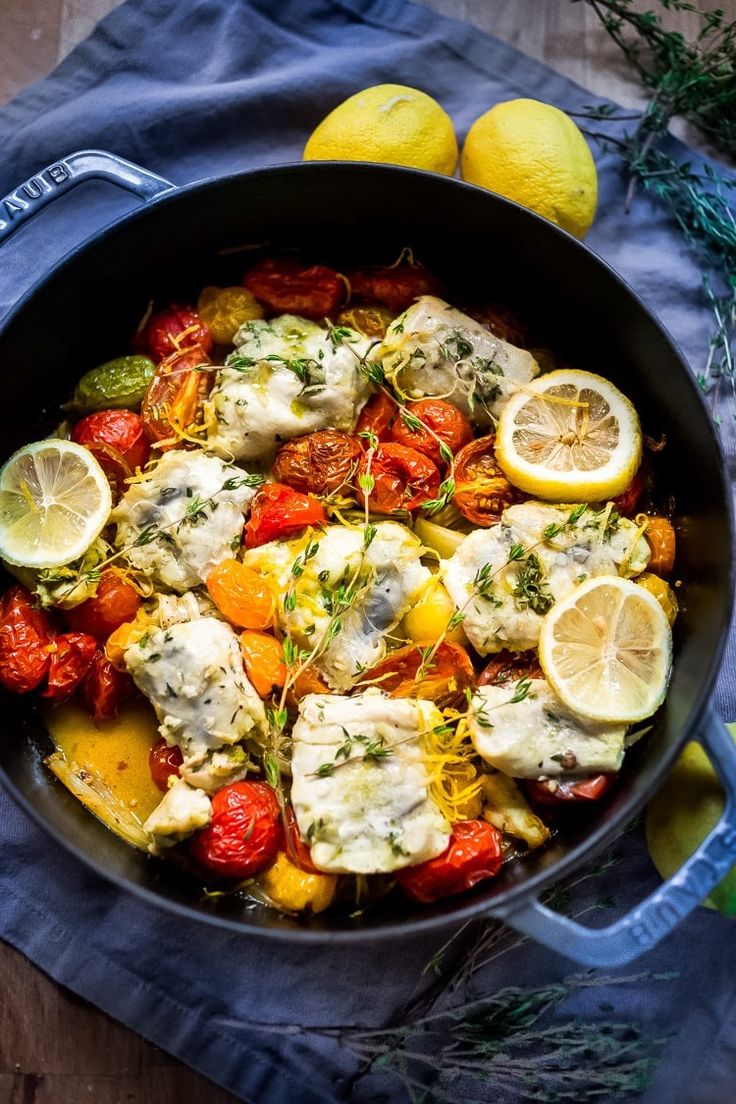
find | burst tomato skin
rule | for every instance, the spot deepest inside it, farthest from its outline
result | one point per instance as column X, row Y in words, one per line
column 449, row 423
column 241, row 595
column 377, row 416
column 444, row 683
column 71, row 656
column 115, row 602
column 661, row 537
column 627, row 502
column 175, row 393
column 287, row 286
column 25, row 636
column 510, row 667
column 296, row 849
column 474, row 853
column 244, row 833
column 318, row 463
column 482, row 491
column 560, row 793
column 403, row 478
column 169, row 330
column 117, row 440
column 105, row 688
column 278, row 512
column 395, row 288
column 164, row 763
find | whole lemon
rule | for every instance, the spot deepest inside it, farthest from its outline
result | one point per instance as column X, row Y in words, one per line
column 534, row 154
column 390, row 123
column 682, row 814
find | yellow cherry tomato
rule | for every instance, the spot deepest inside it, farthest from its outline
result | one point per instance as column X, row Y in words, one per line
column 662, row 591
column 225, row 310
column 263, row 657
column 429, row 617
column 128, row 633
column 241, row 595
column 294, row 890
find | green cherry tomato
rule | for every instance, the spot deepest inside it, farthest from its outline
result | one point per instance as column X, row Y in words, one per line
column 119, row 383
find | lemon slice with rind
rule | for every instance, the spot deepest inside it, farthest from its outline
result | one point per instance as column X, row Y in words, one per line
column 606, row 650
column 54, row 501
column 569, row 436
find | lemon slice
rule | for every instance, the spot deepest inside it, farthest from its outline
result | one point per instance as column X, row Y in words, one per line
column 54, row 501
column 606, row 650
column 569, row 436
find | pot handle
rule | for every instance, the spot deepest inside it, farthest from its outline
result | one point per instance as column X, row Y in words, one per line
column 661, row 912
column 56, row 179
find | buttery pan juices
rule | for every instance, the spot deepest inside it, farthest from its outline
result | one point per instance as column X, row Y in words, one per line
column 332, row 592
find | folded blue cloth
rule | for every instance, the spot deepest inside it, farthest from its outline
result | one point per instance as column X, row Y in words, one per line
column 199, row 88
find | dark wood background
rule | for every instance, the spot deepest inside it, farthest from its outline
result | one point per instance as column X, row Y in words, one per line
column 55, row 1048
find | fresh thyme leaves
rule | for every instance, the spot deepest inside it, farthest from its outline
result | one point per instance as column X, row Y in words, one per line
column 521, row 691
column 445, row 495
column 373, row 750
column 531, row 590
column 271, row 769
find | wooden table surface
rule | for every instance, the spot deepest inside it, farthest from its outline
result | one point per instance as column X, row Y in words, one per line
column 55, row 1048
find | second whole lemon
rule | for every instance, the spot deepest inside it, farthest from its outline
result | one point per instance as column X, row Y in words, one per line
column 389, row 123
column 534, row 154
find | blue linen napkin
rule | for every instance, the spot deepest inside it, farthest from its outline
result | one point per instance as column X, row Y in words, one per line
column 199, row 88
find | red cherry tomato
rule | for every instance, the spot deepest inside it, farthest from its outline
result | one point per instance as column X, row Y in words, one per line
column 105, row 688
column 287, row 286
column 244, row 833
column 25, row 636
column 445, row 681
column 170, row 330
column 71, row 657
column 115, row 602
column 474, row 853
column 395, row 288
column 318, row 463
column 556, row 793
column 164, row 763
column 296, row 849
column 449, row 423
column 175, row 394
column 502, row 322
column 278, row 512
column 377, row 415
column 482, row 491
column 403, row 479
column 510, row 667
column 117, row 440
column 627, row 502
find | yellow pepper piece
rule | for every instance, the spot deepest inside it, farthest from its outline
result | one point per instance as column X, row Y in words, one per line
column 294, row 890
column 428, row 619
column 662, row 591
column 226, row 309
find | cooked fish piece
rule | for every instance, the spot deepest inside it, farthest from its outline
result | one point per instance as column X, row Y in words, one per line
column 192, row 673
column 433, row 349
column 361, row 785
column 390, row 581
column 527, row 571
column 526, row 732
column 181, row 812
column 187, row 512
column 287, row 377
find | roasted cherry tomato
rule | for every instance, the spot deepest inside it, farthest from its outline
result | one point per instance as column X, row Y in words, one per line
column 482, row 491
column 244, row 833
column 587, row 789
column 627, row 502
column 510, row 667
column 225, row 310
column 278, row 512
column 661, row 538
column 117, row 440
column 395, row 288
column 474, row 853
column 377, row 415
column 105, row 688
column 171, row 330
column 371, row 321
column 263, row 657
column 293, row 844
column 115, row 602
column 25, row 636
column 164, row 763
column 71, row 657
column 502, row 322
column 402, row 478
column 175, row 394
column 446, row 421
column 319, row 463
column 287, row 286
column 444, row 681
column 241, row 595
column 308, row 682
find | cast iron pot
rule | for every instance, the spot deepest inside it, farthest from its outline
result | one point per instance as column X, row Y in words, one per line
column 84, row 311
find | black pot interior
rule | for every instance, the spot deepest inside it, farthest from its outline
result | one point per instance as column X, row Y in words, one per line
column 483, row 248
